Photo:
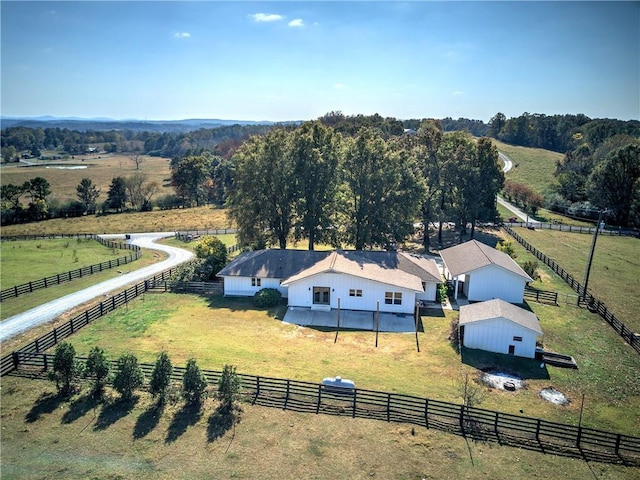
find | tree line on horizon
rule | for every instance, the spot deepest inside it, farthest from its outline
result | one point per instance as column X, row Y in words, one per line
column 584, row 179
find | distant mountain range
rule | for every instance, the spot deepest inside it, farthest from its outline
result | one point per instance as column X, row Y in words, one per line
column 101, row 123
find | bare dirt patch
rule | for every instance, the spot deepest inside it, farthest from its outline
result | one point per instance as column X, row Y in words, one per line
column 552, row 395
column 502, row 381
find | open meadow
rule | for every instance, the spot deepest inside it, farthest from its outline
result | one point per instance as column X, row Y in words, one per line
column 65, row 175
column 615, row 271
column 533, row 167
column 22, row 261
column 45, row 436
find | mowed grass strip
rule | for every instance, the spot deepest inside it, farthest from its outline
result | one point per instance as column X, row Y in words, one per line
column 615, row 271
column 22, row 303
column 22, row 261
column 47, row 437
column 218, row 331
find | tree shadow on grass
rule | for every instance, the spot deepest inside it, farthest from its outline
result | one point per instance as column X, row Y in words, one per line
column 48, row 402
column 221, row 421
column 80, row 407
column 113, row 411
column 148, row 420
column 187, row 416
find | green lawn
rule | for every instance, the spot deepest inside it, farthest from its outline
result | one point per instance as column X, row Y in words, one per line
column 217, row 331
column 615, row 271
column 533, row 167
column 22, row 303
column 23, row 261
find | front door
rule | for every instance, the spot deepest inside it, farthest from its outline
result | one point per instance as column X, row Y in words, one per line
column 321, row 296
column 512, row 349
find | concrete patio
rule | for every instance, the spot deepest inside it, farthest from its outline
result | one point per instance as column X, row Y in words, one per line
column 350, row 319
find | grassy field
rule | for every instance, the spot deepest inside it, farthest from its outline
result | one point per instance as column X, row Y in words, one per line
column 199, row 218
column 533, row 167
column 216, row 331
column 101, row 169
column 615, row 271
column 51, row 438
column 13, row 306
column 27, row 260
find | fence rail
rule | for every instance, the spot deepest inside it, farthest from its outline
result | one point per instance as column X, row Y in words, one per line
column 189, row 235
column 55, row 336
column 574, row 228
column 477, row 423
column 203, row 288
column 541, row 296
column 59, row 278
column 592, row 303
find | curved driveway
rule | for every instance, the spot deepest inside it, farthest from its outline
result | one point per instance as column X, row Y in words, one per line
column 49, row 311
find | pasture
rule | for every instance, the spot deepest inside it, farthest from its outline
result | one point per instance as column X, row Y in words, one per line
column 101, row 169
column 48, row 437
column 22, row 261
column 533, row 167
column 217, row 330
column 615, row 271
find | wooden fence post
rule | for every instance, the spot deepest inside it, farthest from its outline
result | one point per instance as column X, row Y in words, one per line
column 71, row 324
column 319, row 399
column 55, row 336
column 37, row 346
column 15, row 356
column 45, row 361
column 426, row 412
column 461, row 420
column 388, row 407
column 495, row 424
column 286, row 398
column 353, row 413
column 618, row 438
column 538, row 431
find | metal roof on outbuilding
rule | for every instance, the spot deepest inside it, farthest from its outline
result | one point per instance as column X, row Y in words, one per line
column 497, row 308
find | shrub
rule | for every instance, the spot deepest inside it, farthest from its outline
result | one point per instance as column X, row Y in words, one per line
column 507, row 247
column 267, row 297
column 66, row 370
column 441, row 293
column 454, row 334
column 97, row 367
column 194, row 383
column 128, row 377
column 161, row 377
column 228, row 388
column 531, row 268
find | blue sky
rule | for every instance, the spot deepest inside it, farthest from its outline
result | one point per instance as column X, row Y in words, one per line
column 298, row 60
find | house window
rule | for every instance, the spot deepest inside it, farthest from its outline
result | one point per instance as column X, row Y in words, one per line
column 393, row 298
column 517, row 339
column 355, row 292
column 424, row 286
column 255, row 282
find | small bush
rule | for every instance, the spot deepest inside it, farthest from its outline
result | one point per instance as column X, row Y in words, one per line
column 531, row 268
column 454, row 334
column 194, row 383
column 441, row 293
column 129, row 376
column 507, row 247
column 267, row 297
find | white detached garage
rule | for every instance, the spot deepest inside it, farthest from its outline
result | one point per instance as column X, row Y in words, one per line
column 500, row 327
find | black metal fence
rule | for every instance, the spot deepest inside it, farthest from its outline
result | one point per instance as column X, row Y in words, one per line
column 476, row 423
column 574, row 228
column 189, row 235
column 588, row 299
column 59, row 278
column 64, row 331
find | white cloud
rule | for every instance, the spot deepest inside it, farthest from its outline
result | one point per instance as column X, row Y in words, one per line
column 181, row 35
column 266, row 17
column 458, row 92
column 339, row 86
column 298, row 22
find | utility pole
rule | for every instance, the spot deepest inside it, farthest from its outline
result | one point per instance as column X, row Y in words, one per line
column 593, row 248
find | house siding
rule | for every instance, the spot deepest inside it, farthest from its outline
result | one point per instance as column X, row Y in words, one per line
column 494, row 282
column 301, row 293
column 429, row 294
column 241, row 286
column 495, row 335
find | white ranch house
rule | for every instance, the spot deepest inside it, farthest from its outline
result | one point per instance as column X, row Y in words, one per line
column 351, row 280
column 500, row 327
column 481, row 273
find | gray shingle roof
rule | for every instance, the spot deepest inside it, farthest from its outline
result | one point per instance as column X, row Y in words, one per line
column 388, row 267
column 472, row 255
column 497, row 308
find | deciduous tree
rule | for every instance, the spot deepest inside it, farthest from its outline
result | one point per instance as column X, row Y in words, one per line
column 128, row 376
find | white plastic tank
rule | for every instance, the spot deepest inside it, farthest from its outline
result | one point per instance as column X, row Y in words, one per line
column 338, row 384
